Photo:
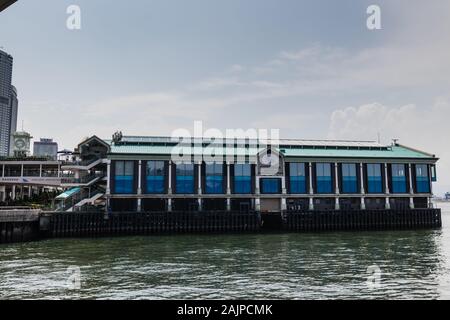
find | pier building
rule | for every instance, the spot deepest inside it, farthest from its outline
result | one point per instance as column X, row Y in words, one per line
column 139, row 174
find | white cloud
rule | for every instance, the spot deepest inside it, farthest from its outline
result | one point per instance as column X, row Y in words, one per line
column 424, row 128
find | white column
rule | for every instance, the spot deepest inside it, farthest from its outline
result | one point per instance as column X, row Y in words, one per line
column 3, row 193
column 40, row 170
column 21, row 170
column 228, row 204
column 386, row 179
column 430, row 174
column 257, row 204
column 311, row 188
column 283, row 185
column 108, row 177
column 386, row 186
column 336, row 187
column 363, row 191
column 228, row 179
column 13, row 195
column 199, row 180
column 200, row 204
column 139, row 187
column 411, row 189
column 169, row 205
column 169, row 188
column 283, row 204
column 256, row 180
column 29, row 192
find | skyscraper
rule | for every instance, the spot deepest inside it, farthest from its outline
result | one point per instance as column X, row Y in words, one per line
column 8, row 104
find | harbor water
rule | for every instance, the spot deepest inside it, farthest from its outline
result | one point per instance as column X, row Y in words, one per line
column 337, row 265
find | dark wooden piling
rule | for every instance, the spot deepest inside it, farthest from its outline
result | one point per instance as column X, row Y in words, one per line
column 360, row 220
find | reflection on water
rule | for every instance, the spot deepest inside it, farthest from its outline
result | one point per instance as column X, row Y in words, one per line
column 414, row 264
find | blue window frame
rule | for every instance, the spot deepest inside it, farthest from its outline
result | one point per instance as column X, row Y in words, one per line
column 155, row 176
column 184, row 178
column 374, row 178
column 214, row 178
column 124, row 177
column 242, row 178
column 398, row 178
column 297, row 178
column 324, row 180
column 349, row 178
column 270, row 186
column 422, row 179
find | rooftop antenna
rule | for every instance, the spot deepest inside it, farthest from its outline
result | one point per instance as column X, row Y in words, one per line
column 394, row 141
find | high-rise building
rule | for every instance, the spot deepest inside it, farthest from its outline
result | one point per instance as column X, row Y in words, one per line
column 46, row 148
column 14, row 103
column 8, row 104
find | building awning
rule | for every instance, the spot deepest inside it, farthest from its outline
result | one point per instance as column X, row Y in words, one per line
column 68, row 193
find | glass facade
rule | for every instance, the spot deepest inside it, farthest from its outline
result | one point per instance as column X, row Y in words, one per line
column 242, row 179
column 398, row 178
column 422, row 179
column 270, row 186
column 124, row 177
column 297, row 178
column 155, row 174
column 324, row 180
column 374, row 178
column 214, row 178
column 349, row 178
column 184, row 178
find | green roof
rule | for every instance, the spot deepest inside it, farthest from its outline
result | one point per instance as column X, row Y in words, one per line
column 387, row 152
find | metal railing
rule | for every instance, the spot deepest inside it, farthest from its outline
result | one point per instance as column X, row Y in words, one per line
column 70, row 179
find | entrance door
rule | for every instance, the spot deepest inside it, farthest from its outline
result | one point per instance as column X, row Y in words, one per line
column 270, row 205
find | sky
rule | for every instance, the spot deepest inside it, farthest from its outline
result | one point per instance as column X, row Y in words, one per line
column 309, row 68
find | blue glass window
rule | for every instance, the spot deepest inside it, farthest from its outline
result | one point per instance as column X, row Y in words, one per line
column 124, row 177
column 422, row 179
column 324, row 180
column 242, row 179
column 184, row 178
column 270, row 186
column 349, row 178
column 374, row 178
column 398, row 178
column 155, row 176
column 297, row 178
column 214, row 178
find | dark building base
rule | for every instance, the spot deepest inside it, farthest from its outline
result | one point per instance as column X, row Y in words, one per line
column 361, row 220
column 95, row 224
